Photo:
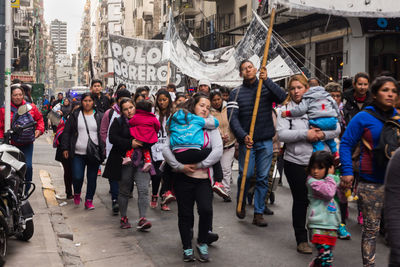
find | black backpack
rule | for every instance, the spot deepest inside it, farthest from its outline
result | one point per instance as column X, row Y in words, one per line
column 389, row 139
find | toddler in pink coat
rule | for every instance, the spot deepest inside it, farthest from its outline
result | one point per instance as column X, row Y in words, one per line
column 144, row 127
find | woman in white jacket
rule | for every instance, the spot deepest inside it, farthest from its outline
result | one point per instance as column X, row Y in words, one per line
column 298, row 138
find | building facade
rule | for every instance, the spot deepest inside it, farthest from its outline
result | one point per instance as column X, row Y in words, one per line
column 58, row 35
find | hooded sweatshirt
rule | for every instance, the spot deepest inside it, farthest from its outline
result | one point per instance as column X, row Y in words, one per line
column 186, row 130
column 316, row 103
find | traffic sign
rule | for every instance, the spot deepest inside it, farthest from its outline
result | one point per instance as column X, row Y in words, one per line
column 15, row 3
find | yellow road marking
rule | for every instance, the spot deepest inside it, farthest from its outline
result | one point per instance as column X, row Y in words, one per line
column 49, row 191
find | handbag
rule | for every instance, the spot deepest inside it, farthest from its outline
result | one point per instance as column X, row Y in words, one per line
column 93, row 151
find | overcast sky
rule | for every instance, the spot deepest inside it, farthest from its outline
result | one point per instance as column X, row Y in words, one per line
column 66, row 10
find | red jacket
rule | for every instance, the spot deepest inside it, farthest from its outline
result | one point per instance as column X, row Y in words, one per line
column 144, row 126
column 36, row 115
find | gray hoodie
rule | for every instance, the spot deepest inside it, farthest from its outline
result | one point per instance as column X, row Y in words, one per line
column 316, row 103
column 293, row 132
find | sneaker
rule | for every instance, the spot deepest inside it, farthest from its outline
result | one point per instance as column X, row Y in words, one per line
column 143, row 224
column 219, row 189
column 168, row 197
column 146, row 167
column 212, row 237
column 227, row 199
column 125, row 223
column 343, row 233
column 99, row 172
column 188, row 255
column 115, row 207
column 165, row 207
column 153, row 202
column 203, row 252
column 89, row 204
column 267, row 211
column 77, row 199
column 304, row 248
column 360, row 219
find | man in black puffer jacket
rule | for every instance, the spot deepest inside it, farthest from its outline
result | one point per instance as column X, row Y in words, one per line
column 240, row 110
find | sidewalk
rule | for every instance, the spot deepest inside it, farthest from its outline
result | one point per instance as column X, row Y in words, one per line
column 42, row 249
column 96, row 234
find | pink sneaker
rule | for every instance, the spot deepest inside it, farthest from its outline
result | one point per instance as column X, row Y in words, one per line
column 360, row 219
column 168, row 197
column 219, row 189
column 89, row 204
column 143, row 224
column 77, row 199
column 146, row 167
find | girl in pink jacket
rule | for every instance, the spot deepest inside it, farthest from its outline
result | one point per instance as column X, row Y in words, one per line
column 144, row 127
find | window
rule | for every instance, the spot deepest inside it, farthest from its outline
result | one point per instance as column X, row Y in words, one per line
column 243, row 14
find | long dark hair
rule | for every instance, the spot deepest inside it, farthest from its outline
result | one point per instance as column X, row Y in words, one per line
column 322, row 159
column 168, row 112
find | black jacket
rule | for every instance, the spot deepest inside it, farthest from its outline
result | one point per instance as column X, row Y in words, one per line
column 392, row 208
column 70, row 134
column 242, row 110
column 351, row 108
column 102, row 103
column 121, row 139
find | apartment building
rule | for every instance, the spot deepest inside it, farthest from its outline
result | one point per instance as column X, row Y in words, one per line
column 58, row 35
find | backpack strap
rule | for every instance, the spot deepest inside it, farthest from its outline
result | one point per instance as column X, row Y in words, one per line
column 376, row 115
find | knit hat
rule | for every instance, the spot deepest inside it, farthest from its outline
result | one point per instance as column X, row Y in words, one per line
column 205, row 82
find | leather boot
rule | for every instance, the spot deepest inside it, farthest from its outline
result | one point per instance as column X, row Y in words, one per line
column 259, row 220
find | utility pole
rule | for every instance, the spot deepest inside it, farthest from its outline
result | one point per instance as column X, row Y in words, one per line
column 9, row 45
column 2, row 48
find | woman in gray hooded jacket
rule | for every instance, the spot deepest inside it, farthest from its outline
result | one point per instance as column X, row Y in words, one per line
column 295, row 132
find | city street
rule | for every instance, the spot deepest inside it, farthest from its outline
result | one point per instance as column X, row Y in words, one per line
column 100, row 242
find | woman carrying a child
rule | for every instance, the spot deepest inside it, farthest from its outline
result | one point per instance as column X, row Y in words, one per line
column 298, row 137
column 122, row 141
column 193, row 182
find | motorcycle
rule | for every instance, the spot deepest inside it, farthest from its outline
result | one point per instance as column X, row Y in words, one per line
column 16, row 214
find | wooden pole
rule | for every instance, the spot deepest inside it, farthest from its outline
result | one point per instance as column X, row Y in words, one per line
column 168, row 72
column 255, row 111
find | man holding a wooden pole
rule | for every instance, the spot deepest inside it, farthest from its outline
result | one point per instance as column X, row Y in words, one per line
column 256, row 142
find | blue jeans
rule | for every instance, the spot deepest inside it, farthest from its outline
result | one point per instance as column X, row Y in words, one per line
column 79, row 162
column 28, row 152
column 325, row 124
column 114, row 189
column 260, row 156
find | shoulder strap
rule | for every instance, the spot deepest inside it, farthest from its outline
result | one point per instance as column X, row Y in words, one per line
column 375, row 114
column 84, row 119
column 110, row 114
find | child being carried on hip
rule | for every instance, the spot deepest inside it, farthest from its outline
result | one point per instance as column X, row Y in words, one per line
column 144, row 127
column 188, row 141
column 323, row 214
column 323, row 113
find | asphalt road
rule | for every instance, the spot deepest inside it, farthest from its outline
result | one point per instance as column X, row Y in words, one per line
column 240, row 243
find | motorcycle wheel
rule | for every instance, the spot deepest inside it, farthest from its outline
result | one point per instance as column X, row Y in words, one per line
column 3, row 239
column 28, row 232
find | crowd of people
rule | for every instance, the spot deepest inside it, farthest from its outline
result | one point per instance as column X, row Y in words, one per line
column 184, row 145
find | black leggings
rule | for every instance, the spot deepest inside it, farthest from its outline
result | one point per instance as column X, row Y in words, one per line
column 296, row 176
column 192, row 156
column 157, row 178
column 188, row 191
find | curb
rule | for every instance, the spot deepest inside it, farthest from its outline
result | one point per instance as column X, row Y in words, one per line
column 66, row 247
